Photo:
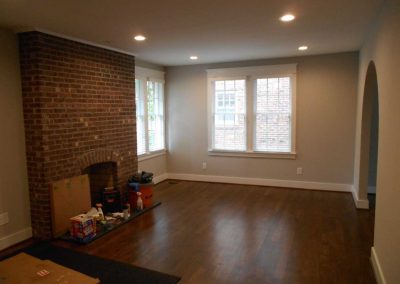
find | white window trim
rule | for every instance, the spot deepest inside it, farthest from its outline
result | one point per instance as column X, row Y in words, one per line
column 146, row 74
column 252, row 154
column 149, row 73
column 151, row 155
column 251, row 74
column 257, row 71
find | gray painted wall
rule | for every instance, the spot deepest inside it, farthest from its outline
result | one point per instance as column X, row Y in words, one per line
column 382, row 47
column 326, row 102
column 14, row 197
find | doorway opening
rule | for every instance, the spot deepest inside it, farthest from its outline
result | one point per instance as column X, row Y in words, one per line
column 369, row 138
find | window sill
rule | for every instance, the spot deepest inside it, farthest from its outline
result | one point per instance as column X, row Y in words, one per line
column 263, row 155
column 151, row 155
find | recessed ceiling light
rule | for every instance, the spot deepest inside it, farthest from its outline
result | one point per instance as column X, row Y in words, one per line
column 287, row 18
column 140, row 38
column 194, row 57
column 303, row 47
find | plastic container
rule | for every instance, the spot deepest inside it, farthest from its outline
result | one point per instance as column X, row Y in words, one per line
column 147, row 194
column 133, row 199
column 82, row 227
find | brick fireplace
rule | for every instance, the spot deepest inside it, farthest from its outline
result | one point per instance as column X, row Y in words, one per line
column 79, row 111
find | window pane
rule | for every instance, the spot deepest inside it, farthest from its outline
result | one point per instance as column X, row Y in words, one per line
column 229, row 115
column 155, row 113
column 140, row 125
column 273, row 115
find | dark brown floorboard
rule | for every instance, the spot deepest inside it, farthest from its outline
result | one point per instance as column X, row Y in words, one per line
column 221, row 233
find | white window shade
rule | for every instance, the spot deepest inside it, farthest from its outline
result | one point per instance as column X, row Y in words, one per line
column 273, row 110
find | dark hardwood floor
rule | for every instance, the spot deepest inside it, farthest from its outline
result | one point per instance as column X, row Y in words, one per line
column 221, row 233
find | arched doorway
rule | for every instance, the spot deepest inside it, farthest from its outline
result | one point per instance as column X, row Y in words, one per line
column 369, row 136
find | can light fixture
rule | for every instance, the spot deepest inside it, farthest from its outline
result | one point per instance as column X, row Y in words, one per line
column 287, row 18
column 140, row 38
column 303, row 47
column 194, row 57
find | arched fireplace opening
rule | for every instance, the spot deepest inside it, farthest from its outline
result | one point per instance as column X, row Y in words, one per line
column 101, row 176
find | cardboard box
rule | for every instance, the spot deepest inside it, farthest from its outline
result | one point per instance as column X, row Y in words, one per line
column 68, row 197
column 83, row 227
column 24, row 268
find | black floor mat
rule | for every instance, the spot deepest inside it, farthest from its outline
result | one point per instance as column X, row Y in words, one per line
column 108, row 271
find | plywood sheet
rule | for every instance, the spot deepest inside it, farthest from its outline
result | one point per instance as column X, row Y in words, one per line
column 69, row 197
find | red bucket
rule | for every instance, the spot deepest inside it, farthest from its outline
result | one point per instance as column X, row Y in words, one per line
column 147, row 194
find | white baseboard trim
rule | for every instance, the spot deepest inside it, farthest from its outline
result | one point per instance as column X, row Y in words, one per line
column 160, row 178
column 15, row 238
column 360, row 203
column 264, row 182
column 380, row 278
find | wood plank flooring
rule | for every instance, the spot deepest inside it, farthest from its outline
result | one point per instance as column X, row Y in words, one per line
column 221, row 233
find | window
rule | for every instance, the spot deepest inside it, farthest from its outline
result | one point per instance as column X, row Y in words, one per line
column 230, row 115
column 155, row 115
column 140, row 117
column 252, row 111
column 150, row 119
column 273, row 110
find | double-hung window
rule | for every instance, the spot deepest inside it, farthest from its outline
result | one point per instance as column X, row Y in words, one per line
column 229, row 118
column 150, row 118
column 252, row 111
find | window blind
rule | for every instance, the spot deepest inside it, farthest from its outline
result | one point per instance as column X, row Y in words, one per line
column 273, row 110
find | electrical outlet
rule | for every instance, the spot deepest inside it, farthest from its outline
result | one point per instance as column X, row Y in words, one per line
column 204, row 165
column 299, row 171
column 3, row 218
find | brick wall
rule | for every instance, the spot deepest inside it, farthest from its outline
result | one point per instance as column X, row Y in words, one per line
column 79, row 109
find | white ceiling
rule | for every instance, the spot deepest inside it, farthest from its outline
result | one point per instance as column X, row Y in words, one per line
column 215, row 30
